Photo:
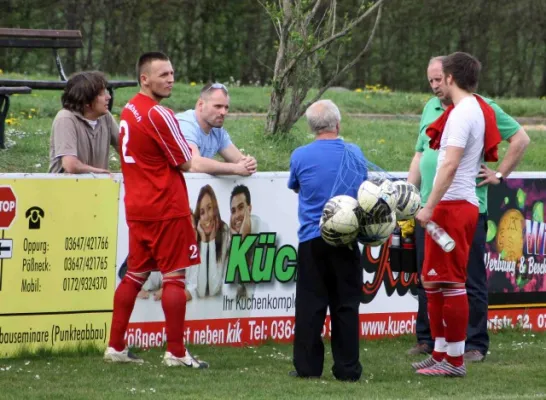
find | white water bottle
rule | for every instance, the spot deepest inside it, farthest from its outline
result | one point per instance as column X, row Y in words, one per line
column 440, row 236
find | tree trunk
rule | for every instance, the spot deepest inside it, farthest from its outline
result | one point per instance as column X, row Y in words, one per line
column 274, row 111
column 302, row 37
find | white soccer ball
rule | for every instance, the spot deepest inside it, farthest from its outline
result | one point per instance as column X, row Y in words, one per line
column 375, row 230
column 339, row 223
column 377, row 197
column 409, row 200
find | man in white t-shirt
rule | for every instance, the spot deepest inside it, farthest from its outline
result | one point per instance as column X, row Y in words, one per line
column 203, row 130
column 462, row 134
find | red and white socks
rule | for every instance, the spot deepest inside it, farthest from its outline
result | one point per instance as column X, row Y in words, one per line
column 456, row 320
column 448, row 315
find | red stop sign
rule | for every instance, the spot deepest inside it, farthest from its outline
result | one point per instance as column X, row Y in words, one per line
column 8, row 206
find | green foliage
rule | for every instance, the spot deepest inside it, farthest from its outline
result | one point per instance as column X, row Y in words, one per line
column 215, row 40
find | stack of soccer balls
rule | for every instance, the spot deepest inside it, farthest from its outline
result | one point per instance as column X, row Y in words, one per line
column 371, row 218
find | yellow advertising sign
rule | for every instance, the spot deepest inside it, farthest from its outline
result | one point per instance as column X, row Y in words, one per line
column 57, row 262
column 53, row 331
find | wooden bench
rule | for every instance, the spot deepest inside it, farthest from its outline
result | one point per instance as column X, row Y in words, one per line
column 5, row 92
column 47, row 39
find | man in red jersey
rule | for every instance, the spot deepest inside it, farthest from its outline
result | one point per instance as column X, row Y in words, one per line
column 161, row 236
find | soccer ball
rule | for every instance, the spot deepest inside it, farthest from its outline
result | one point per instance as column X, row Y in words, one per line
column 339, row 223
column 374, row 230
column 409, row 200
column 377, row 197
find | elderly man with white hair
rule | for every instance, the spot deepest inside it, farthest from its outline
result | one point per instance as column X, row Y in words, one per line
column 328, row 277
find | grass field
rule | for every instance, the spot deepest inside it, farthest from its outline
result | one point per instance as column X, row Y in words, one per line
column 370, row 99
column 514, row 369
column 387, row 143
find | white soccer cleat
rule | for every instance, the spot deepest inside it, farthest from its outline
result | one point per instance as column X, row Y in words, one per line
column 187, row 361
column 125, row 356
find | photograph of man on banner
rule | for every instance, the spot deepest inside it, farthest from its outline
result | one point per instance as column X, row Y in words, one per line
column 243, row 222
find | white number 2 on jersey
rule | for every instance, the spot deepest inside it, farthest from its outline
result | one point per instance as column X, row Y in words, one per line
column 128, row 159
column 193, row 250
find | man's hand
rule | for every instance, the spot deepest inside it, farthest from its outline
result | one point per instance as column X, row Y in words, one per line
column 100, row 171
column 73, row 165
column 158, row 294
column 424, row 215
column 143, row 294
column 250, row 164
column 201, row 232
column 245, row 226
column 240, row 168
column 214, row 230
column 488, row 176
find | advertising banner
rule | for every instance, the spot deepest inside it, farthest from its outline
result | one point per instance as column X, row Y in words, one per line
column 516, row 243
column 244, row 289
column 57, row 261
column 64, row 244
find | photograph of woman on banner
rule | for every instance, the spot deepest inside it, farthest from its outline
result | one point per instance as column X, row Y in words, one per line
column 213, row 237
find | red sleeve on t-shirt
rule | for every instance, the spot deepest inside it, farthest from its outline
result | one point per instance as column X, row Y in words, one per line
column 169, row 135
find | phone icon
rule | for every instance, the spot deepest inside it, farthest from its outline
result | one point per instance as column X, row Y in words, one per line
column 34, row 215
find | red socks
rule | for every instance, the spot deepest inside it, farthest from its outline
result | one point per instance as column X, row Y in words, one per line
column 124, row 302
column 435, row 302
column 456, row 319
column 448, row 316
column 173, row 301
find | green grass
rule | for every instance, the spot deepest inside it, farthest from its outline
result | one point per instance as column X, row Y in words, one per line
column 514, row 369
column 387, row 143
column 256, row 99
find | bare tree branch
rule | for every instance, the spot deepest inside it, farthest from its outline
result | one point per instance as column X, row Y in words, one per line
column 320, row 22
column 297, row 58
column 311, row 15
column 264, row 64
column 273, row 19
column 347, row 67
column 334, row 15
column 327, row 41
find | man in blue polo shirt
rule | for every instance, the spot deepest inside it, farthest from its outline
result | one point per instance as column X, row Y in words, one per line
column 328, row 277
column 204, row 132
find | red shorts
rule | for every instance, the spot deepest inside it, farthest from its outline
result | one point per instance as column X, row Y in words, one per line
column 459, row 219
column 164, row 246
